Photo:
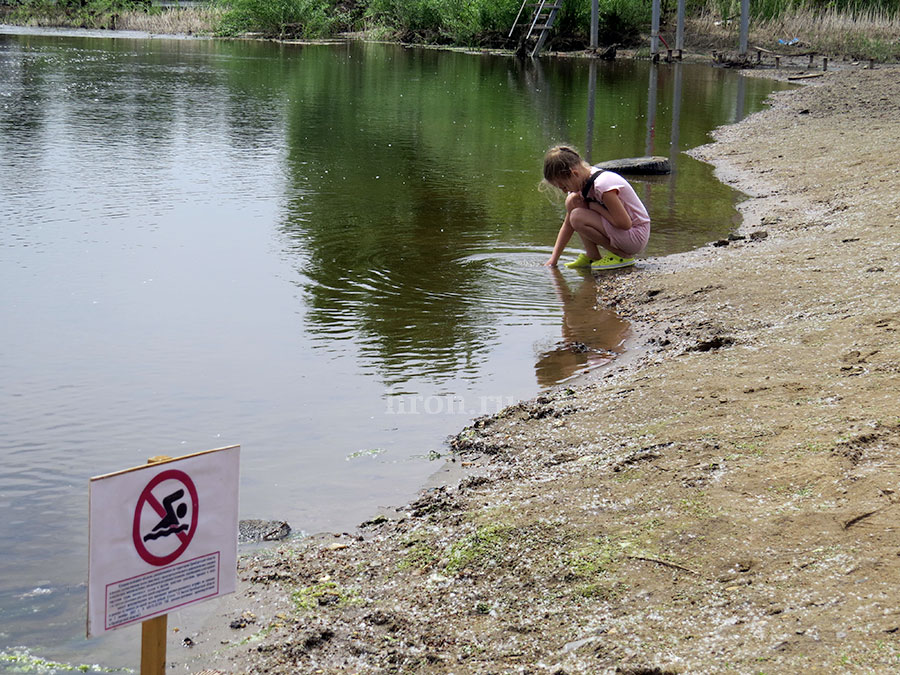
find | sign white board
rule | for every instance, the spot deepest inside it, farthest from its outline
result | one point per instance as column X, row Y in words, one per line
column 162, row 536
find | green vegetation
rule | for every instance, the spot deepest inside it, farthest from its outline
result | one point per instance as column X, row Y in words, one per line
column 103, row 14
column 323, row 593
column 857, row 28
column 486, row 544
column 597, row 557
column 443, row 21
column 21, row 661
column 420, row 555
column 282, row 18
column 593, row 567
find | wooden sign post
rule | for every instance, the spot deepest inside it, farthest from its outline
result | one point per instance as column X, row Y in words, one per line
column 154, row 631
column 153, row 645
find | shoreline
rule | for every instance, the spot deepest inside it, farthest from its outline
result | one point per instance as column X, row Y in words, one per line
column 708, row 54
column 721, row 504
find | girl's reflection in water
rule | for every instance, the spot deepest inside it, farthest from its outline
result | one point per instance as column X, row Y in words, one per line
column 591, row 336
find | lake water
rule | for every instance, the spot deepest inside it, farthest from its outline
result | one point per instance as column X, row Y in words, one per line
column 330, row 255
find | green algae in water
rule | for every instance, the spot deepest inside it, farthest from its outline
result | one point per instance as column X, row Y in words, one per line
column 22, row 661
column 372, row 452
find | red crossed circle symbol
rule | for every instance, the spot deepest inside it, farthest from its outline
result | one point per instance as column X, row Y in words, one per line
column 147, row 498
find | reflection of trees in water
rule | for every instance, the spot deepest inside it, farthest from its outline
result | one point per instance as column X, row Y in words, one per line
column 24, row 109
column 23, row 115
column 384, row 269
column 382, row 220
column 135, row 96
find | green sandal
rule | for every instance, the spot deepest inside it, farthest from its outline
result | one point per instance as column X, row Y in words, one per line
column 581, row 261
column 611, row 262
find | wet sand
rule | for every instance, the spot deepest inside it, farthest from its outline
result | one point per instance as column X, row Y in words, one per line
column 725, row 500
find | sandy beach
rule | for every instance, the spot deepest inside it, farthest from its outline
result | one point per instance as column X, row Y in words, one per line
column 723, row 501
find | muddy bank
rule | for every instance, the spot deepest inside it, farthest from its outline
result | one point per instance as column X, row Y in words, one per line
column 725, row 502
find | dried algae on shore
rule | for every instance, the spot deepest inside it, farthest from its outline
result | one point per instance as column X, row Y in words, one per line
column 729, row 508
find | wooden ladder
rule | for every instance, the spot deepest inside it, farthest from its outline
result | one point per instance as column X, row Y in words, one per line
column 538, row 27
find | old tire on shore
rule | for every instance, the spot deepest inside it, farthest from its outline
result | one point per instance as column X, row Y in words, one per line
column 638, row 165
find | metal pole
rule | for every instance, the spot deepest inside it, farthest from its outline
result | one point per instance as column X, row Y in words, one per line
column 745, row 26
column 679, row 29
column 651, row 108
column 675, row 134
column 595, row 21
column 674, row 148
column 654, row 31
column 516, row 22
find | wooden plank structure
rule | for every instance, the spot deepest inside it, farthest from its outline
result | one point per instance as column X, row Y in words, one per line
column 538, row 24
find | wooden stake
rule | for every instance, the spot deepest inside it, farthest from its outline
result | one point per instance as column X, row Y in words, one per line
column 153, row 645
column 153, row 631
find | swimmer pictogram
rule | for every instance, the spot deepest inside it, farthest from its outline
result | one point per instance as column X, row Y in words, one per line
column 169, row 524
column 165, row 518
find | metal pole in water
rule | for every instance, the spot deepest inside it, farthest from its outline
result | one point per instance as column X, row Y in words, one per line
column 595, row 21
column 745, row 26
column 592, row 104
column 679, row 30
column 675, row 134
column 739, row 101
column 651, row 108
column 676, row 119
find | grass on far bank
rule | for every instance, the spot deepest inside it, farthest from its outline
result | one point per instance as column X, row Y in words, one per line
column 182, row 21
column 868, row 34
column 114, row 15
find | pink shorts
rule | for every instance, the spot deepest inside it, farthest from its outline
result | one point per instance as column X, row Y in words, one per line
column 631, row 241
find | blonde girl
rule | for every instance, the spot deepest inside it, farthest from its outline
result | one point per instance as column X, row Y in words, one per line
column 601, row 207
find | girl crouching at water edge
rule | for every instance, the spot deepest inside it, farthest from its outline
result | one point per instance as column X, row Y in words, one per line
column 601, row 207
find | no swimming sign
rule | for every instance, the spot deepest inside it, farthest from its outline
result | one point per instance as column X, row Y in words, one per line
column 162, row 536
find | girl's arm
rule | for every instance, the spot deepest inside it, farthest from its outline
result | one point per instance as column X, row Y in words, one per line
column 613, row 210
column 565, row 233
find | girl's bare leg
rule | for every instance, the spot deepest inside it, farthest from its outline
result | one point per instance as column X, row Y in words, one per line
column 574, row 204
column 590, row 248
column 588, row 225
